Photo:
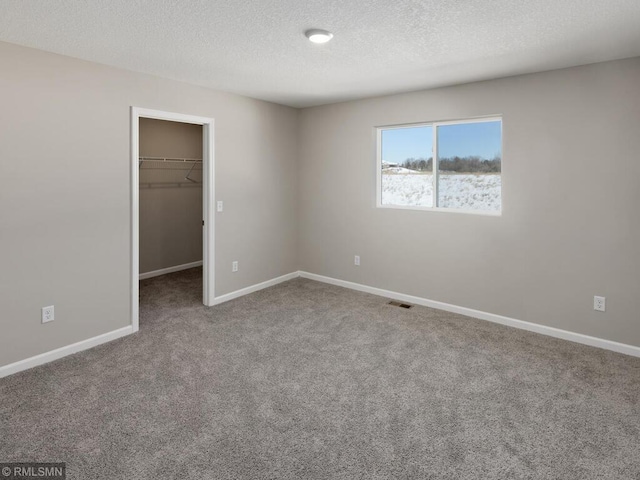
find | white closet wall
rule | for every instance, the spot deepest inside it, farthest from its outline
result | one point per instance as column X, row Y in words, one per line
column 170, row 206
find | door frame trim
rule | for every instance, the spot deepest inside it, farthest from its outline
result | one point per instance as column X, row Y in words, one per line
column 208, row 196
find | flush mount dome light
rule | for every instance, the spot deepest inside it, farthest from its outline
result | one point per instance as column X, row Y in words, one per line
column 318, row 36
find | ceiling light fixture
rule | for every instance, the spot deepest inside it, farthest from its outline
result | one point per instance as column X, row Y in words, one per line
column 318, row 36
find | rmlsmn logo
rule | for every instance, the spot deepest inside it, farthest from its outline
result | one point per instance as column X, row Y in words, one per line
column 33, row 471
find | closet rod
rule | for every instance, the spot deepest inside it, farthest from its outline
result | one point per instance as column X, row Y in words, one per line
column 170, row 160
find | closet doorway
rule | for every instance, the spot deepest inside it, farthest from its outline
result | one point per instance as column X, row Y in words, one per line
column 172, row 185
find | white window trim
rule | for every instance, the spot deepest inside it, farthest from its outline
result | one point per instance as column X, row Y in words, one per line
column 435, row 124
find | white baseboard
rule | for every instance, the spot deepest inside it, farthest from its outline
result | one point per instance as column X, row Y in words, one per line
column 164, row 271
column 511, row 322
column 254, row 288
column 63, row 351
column 107, row 337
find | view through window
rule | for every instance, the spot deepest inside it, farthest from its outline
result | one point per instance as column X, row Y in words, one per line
column 442, row 165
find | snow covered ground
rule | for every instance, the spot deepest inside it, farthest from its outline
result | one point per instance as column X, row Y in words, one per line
column 463, row 191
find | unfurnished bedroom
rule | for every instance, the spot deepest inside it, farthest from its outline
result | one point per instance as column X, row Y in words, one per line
column 319, row 240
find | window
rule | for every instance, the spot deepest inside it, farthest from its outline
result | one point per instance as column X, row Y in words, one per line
column 450, row 166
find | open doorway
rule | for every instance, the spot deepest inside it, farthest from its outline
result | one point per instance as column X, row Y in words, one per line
column 172, row 173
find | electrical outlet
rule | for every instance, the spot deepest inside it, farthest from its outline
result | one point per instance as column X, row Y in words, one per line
column 48, row 314
column 234, row 266
column 356, row 260
column 220, row 205
column 599, row 303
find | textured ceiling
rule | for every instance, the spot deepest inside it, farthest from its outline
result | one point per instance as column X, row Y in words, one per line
column 257, row 47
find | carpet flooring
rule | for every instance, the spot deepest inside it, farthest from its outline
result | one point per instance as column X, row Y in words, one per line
column 307, row 380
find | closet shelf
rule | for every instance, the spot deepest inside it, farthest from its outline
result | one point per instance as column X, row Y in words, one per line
column 169, row 160
column 189, row 163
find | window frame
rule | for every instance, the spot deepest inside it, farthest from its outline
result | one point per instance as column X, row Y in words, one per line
column 435, row 124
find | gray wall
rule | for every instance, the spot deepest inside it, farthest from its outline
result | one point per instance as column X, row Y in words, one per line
column 570, row 227
column 299, row 193
column 170, row 206
column 65, row 192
